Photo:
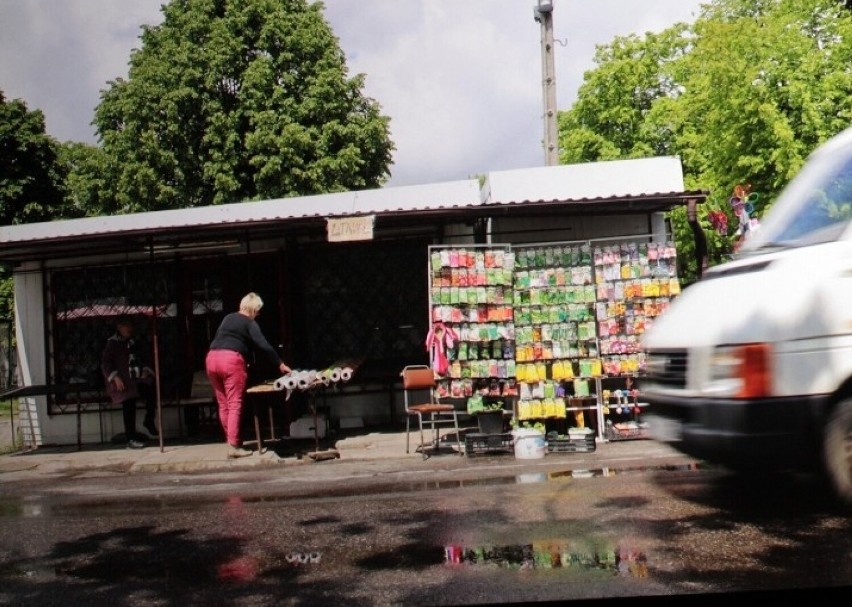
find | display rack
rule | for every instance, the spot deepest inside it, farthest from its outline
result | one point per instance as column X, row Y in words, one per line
column 472, row 336
column 556, row 339
column 554, row 328
column 635, row 282
column 622, row 409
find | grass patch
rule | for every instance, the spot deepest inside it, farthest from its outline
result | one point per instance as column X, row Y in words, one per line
column 7, row 449
column 6, row 411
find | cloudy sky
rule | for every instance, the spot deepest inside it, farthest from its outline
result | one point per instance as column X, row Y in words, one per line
column 460, row 79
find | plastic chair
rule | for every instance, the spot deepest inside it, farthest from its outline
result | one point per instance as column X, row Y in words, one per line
column 431, row 415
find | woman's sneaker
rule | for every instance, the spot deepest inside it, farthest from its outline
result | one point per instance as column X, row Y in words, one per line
column 135, row 444
column 234, row 452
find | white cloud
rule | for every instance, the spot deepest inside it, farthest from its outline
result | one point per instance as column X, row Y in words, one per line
column 57, row 56
column 460, row 79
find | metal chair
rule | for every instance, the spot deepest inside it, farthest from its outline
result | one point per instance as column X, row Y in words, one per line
column 431, row 415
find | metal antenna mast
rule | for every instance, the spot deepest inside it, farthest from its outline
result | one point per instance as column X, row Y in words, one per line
column 543, row 13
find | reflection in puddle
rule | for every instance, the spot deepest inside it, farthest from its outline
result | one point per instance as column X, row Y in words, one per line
column 240, row 569
column 26, row 509
column 536, row 477
column 303, row 558
column 551, row 554
column 46, row 508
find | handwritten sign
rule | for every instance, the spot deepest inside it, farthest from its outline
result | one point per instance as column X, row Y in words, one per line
column 346, row 229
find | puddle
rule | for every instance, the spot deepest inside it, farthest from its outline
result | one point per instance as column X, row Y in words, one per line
column 28, row 507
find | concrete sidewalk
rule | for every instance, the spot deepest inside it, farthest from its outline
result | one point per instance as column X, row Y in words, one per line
column 382, row 452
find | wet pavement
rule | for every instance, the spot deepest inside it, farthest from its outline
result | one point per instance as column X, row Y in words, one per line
column 376, row 526
column 507, row 535
column 367, row 453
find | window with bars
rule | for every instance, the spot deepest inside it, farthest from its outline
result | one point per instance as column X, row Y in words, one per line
column 365, row 300
column 360, row 300
column 86, row 302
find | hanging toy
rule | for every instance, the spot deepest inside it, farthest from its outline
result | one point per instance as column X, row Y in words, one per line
column 440, row 339
column 719, row 221
column 742, row 203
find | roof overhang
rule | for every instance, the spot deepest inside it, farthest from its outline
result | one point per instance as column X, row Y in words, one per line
column 605, row 188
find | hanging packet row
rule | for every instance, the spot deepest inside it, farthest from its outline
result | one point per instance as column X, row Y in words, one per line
column 629, row 324
column 485, row 332
column 498, row 349
column 558, row 370
column 627, row 364
column 525, row 315
column 541, row 408
column 642, row 252
column 554, row 350
column 639, row 288
column 461, row 277
column 560, row 255
column 575, row 388
column 458, row 388
column 472, row 258
column 553, row 277
column 500, row 369
column 568, row 331
column 629, row 344
column 472, row 295
column 476, row 313
column 551, row 296
column 645, row 307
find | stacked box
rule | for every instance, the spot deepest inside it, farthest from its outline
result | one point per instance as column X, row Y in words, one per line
column 627, row 431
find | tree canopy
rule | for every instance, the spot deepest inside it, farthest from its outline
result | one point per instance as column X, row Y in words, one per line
column 31, row 176
column 743, row 95
column 236, row 100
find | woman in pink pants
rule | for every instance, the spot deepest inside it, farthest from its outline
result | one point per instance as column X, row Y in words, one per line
column 236, row 338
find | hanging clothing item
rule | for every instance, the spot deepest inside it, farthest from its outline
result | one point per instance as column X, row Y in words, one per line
column 440, row 339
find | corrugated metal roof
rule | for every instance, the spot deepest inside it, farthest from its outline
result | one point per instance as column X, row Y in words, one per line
column 613, row 187
column 586, row 181
column 430, row 196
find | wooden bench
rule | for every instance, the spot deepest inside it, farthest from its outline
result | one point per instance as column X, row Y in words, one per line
column 200, row 396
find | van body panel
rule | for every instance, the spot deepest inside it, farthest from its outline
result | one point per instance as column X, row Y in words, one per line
column 752, row 365
column 772, row 433
column 797, row 295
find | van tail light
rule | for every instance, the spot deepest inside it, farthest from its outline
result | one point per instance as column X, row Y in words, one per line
column 755, row 371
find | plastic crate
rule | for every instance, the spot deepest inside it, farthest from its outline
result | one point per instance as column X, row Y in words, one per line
column 625, row 432
column 566, row 444
column 477, row 443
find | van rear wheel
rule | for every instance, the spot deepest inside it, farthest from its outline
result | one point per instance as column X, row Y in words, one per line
column 837, row 451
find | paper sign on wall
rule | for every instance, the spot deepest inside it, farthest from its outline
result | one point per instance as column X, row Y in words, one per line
column 345, row 229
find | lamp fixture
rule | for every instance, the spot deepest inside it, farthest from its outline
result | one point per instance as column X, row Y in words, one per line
column 544, row 7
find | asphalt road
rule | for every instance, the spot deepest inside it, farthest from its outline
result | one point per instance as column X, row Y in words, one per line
column 253, row 538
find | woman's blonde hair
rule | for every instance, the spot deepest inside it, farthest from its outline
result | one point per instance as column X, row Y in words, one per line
column 251, row 303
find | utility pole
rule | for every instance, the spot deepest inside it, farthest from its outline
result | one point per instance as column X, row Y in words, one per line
column 543, row 13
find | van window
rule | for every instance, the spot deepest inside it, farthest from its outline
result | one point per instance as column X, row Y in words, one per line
column 816, row 207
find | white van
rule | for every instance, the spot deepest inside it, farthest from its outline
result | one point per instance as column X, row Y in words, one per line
column 751, row 366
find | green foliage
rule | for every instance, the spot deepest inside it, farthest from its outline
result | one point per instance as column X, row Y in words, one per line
column 610, row 118
column 537, row 426
column 7, row 293
column 239, row 100
column 31, row 176
column 85, row 183
column 742, row 96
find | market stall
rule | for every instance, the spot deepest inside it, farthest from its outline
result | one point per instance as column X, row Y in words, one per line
column 553, row 329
